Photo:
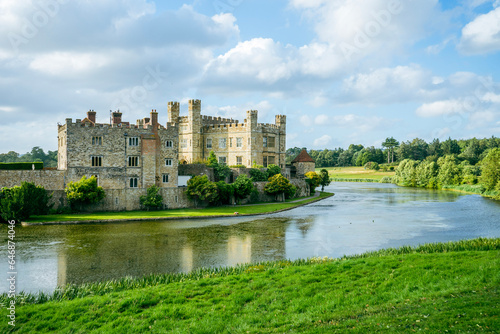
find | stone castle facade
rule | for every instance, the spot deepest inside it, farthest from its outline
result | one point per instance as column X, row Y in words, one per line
column 128, row 158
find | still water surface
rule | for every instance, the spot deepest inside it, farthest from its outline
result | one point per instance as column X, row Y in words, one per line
column 360, row 217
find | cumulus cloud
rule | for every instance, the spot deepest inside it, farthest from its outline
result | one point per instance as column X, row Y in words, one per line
column 322, row 141
column 482, row 35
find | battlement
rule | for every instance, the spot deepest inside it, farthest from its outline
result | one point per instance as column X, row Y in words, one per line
column 209, row 120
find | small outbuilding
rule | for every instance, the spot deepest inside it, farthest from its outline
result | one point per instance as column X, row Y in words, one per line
column 303, row 164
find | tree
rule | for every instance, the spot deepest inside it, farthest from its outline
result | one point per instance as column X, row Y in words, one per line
column 450, row 146
column 450, row 173
column 243, row 186
column 257, row 175
column 19, row 203
column 313, row 180
column 324, row 179
column 152, row 200
column 273, row 170
column 490, row 175
column 200, row 189
column 406, row 173
column 212, row 159
column 390, row 144
column 280, row 185
column 225, row 192
column 84, row 192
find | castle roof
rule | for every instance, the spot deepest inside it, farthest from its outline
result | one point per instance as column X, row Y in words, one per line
column 303, row 157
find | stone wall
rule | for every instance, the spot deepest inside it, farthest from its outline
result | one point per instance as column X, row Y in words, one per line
column 49, row 179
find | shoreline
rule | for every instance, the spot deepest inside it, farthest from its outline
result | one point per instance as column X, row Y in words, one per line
column 123, row 220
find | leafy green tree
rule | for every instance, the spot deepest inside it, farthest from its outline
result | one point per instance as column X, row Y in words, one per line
column 19, row 203
column 201, row 189
column 324, row 179
column 243, row 186
column 84, row 192
column 225, row 192
column 426, row 174
column 313, row 179
column 273, row 170
column 490, row 175
column 212, row 159
column 406, row 173
column 390, row 144
column 153, row 200
column 279, row 185
column 450, row 173
column 257, row 175
column 450, row 146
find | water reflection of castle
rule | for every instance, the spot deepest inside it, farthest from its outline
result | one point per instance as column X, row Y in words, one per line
column 138, row 249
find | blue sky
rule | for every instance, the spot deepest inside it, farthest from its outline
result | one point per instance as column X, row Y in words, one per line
column 342, row 71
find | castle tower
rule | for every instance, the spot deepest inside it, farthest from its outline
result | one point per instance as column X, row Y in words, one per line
column 173, row 112
column 116, row 117
column 194, row 139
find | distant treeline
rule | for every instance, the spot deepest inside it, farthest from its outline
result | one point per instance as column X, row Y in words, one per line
column 37, row 154
column 470, row 150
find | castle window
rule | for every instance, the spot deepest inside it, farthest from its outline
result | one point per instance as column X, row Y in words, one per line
column 270, row 141
column 133, row 182
column 184, row 128
column 168, row 162
column 133, row 141
column 133, row 161
column 239, row 142
column 264, row 143
column 222, row 143
column 269, row 160
column 184, row 143
column 96, row 140
column 165, row 178
column 209, row 142
column 231, row 142
column 239, row 160
column 96, row 161
column 222, row 160
column 169, row 143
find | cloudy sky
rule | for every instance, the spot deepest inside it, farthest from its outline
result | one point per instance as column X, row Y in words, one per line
column 342, row 71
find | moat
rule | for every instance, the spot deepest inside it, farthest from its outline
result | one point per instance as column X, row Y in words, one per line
column 360, row 217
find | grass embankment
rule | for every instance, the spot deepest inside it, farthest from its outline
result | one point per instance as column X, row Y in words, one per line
column 448, row 287
column 177, row 213
column 473, row 189
column 355, row 174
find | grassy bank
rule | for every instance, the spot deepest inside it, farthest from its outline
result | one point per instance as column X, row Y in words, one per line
column 176, row 213
column 355, row 173
column 477, row 189
column 448, row 287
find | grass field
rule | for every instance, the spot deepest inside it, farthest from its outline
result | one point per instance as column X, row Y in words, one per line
column 355, row 173
column 175, row 213
column 435, row 288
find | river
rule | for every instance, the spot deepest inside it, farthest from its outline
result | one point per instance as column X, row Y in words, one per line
column 360, row 217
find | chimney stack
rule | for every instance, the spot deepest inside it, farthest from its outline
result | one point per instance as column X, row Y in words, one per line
column 117, row 117
column 91, row 115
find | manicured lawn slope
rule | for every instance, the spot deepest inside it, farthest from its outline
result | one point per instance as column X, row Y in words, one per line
column 176, row 213
column 439, row 288
column 355, row 173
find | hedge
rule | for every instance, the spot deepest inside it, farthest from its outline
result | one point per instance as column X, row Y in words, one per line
column 20, row 165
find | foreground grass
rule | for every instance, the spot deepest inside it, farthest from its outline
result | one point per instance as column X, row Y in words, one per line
column 355, row 173
column 436, row 288
column 176, row 213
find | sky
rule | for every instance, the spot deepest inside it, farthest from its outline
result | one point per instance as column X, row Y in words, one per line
column 342, row 71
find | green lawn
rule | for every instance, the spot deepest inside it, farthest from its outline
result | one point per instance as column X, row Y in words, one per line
column 441, row 288
column 355, row 173
column 175, row 213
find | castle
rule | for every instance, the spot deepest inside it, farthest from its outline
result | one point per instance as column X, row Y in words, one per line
column 123, row 155
column 128, row 158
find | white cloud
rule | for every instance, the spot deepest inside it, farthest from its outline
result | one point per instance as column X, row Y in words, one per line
column 306, row 120
column 482, row 35
column 68, row 63
column 321, row 119
column 439, row 108
column 322, row 141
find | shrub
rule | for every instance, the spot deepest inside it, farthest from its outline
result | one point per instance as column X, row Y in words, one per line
column 254, row 195
column 324, row 179
column 386, row 179
column 200, row 189
column 237, row 166
column 372, row 165
column 257, row 175
column 225, row 192
column 19, row 203
column 243, row 186
column 84, row 192
column 152, row 200
column 490, row 175
column 391, row 168
column 278, row 184
column 273, row 170
column 20, row 165
column 254, row 165
column 313, row 180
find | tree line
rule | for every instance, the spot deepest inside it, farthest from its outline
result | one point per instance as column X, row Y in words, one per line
column 392, row 151
column 37, row 154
